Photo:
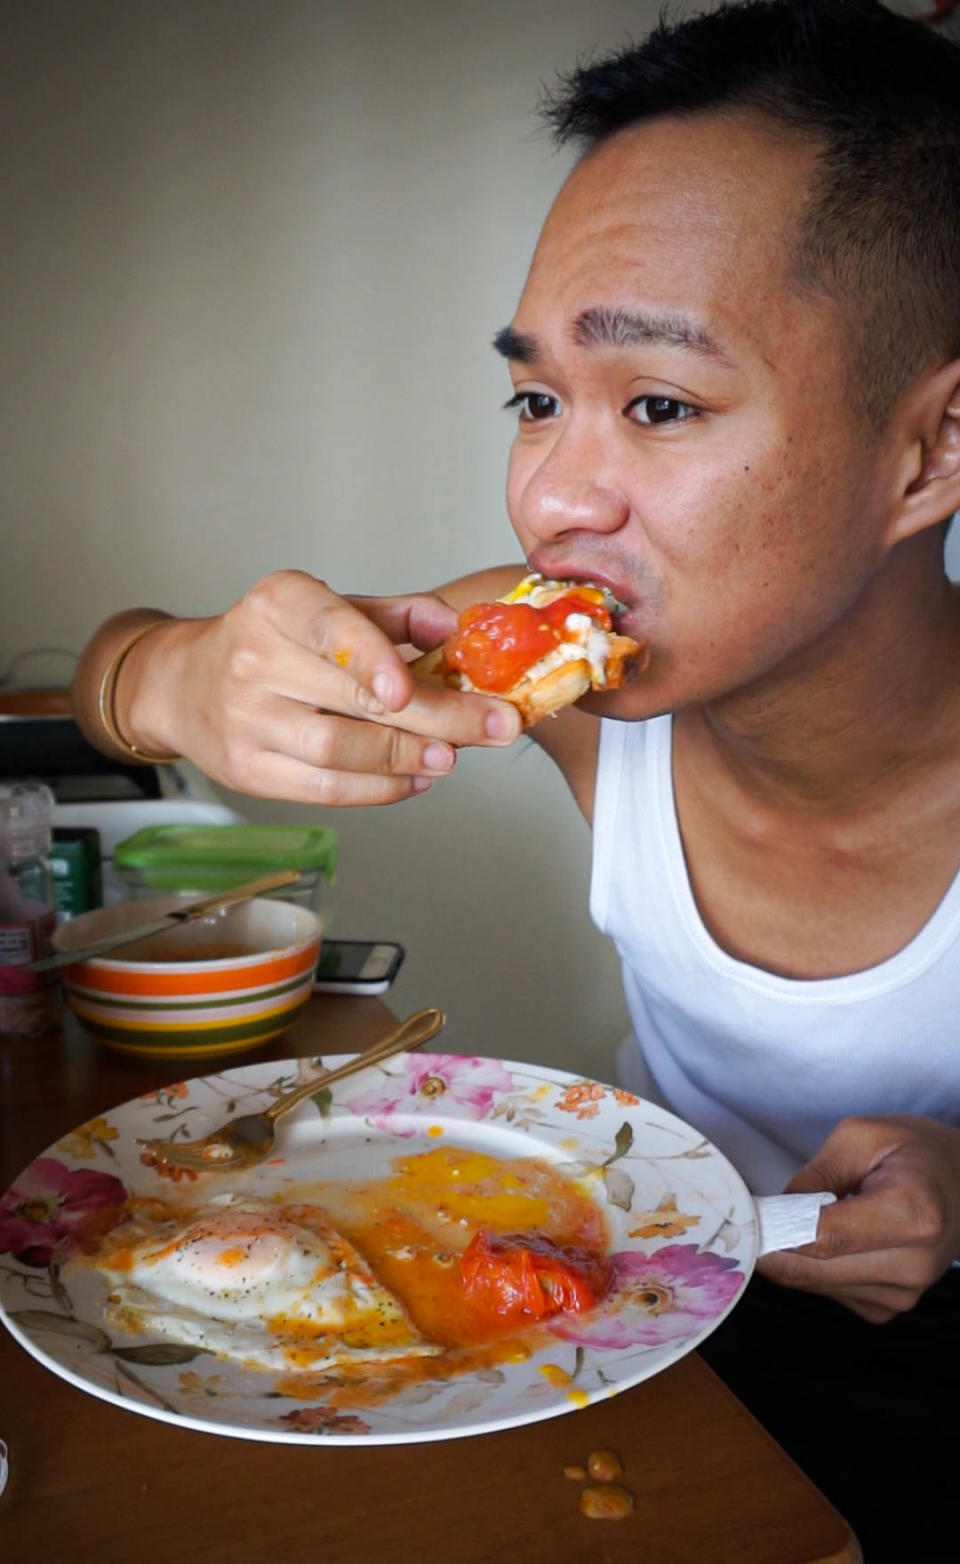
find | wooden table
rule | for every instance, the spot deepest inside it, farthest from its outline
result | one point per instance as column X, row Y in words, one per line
column 92, row 1482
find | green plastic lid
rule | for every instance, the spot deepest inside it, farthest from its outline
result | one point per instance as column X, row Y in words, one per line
column 159, row 849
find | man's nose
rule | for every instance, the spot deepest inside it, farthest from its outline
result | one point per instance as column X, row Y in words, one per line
column 572, row 490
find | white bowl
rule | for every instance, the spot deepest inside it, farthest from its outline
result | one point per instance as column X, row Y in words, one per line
column 217, row 985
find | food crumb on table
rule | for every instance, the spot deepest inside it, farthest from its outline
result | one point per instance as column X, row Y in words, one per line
column 606, row 1502
column 604, row 1466
column 605, row 1499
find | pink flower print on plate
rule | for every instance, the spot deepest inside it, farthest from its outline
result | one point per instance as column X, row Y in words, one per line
column 433, row 1084
column 656, row 1298
column 53, row 1209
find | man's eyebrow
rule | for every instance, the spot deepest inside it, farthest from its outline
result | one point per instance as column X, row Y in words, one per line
column 617, row 327
column 517, row 345
column 604, row 326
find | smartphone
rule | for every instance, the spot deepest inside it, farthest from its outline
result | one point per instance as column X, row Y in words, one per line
column 357, row 966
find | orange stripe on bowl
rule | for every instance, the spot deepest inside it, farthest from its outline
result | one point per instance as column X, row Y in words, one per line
column 112, row 980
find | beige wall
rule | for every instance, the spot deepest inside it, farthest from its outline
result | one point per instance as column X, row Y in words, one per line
column 255, row 251
column 253, row 255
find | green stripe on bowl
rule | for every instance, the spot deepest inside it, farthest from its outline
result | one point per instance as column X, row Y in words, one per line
column 244, row 997
column 246, row 1032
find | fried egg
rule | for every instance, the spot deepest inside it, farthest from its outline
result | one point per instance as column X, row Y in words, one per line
column 275, row 1286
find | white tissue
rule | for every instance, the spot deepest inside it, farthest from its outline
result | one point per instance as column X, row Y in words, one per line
column 4, row 1468
column 787, row 1221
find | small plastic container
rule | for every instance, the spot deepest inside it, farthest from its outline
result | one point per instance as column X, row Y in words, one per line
column 199, row 860
column 76, row 868
column 29, row 1001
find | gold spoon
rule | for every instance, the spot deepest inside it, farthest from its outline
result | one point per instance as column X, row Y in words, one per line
column 243, row 1142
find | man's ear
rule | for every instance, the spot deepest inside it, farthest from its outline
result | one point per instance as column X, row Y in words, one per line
column 930, row 473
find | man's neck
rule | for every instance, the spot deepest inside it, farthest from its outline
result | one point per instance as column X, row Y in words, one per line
column 877, row 696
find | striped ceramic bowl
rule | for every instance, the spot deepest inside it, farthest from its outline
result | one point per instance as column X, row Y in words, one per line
column 214, row 986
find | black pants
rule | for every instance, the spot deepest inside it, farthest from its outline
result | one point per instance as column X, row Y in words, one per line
column 870, row 1412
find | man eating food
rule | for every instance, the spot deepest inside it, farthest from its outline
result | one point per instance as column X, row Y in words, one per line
column 736, row 371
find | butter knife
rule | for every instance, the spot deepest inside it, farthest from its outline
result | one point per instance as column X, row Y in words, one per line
column 170, row 920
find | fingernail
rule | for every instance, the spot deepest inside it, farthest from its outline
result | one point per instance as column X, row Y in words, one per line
column 499, row 724
column 420, row 784
column 369, row 703
column 387, row 690
column 437, row 757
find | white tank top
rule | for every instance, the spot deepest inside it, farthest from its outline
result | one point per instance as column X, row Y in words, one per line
column 764, row 1066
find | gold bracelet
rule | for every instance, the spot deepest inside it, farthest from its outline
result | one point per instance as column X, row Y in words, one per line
column 105, row 701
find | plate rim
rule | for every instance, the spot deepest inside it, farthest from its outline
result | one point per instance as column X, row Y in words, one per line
column 666, row 1354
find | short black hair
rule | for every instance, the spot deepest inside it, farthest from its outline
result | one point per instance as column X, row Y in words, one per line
column 880, row 94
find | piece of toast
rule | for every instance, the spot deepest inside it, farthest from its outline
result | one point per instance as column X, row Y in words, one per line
column 537, row 696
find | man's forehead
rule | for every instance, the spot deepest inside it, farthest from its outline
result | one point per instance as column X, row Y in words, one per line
column 707, row 180
column 731, row 147
column 676, row 233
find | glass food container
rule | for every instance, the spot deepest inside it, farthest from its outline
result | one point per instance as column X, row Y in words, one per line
column 199, row 860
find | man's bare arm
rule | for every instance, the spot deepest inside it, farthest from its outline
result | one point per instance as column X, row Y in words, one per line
column 100, row 653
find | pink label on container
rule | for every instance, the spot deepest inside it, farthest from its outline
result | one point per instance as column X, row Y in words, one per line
column 19, row 944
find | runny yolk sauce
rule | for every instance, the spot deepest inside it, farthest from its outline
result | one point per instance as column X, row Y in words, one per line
column 495, row 643
column 413, row 1227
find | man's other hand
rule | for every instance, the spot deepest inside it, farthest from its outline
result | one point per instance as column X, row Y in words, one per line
column 896, row 1225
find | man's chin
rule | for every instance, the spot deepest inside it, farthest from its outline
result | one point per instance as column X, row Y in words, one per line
column 632, row 703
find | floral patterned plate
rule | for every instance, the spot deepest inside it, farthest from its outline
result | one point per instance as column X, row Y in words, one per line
column 683, row 1237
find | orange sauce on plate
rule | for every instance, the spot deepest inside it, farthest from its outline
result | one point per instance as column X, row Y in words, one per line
column 412, row 1228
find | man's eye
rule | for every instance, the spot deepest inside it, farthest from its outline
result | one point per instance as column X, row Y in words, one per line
column 534, row 406
column 660, row 410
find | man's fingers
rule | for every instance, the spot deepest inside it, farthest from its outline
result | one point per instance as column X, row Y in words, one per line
column 306, row 612
column 339, row 654
column 459, row 718
column 289, row 669
column 860, row 1224
column 853, row 1151
column 326, row 742
column 893, row 1232
column 418, row 619
column 280, row 776
column 896, row 1200
column 813, row 1273
column 433, row 711
column 908, row 1268
column 838, row 1166
column 307, row 698
column 361, row 635
column 873, row 1298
